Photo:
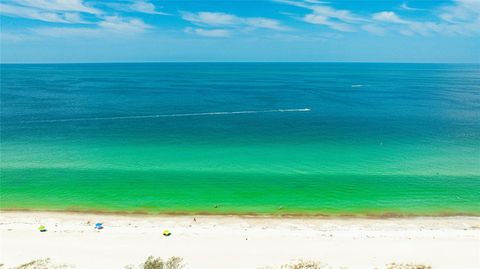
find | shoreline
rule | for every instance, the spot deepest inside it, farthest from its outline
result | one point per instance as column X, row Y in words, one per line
column 223, row 241
column 385, row 215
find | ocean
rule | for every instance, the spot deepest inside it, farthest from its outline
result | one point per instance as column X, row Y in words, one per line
column 353, row 139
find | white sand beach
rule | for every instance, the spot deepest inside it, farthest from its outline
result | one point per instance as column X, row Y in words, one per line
column 238, row 242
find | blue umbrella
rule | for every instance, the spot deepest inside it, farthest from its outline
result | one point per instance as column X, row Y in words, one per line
column 98, row 226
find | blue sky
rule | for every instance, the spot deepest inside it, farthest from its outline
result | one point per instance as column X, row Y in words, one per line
column 235, row 30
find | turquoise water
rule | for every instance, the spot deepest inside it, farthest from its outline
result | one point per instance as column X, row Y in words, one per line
column 263, row 138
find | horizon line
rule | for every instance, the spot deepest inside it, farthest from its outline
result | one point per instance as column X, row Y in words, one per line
column 160, row 62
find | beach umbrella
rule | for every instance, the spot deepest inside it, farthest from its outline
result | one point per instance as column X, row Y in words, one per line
column 98, row 225
column 166, row 233
column 42, row 228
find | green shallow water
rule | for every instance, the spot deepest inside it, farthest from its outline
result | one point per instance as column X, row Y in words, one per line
column 405, row 142
column 234, row 179
column 239, row 193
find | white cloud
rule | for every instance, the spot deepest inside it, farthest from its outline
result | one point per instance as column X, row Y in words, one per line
column 58, row 5
column 264, row 23
column 208, row 32
column 124, row 25
column 111, row 25
column 139, row 6
column 35, row 14
column 405, row 6
column 323, row 20
column 461, row 18
column 407, row 27
column 145, row 7
column 211, row 18
column 73, row 17
column 331, row 13
column 58, row 11
column 321, row 14
column 388, row 16
column 315, row 2
column 462, row 11
column 70, row 12
column 221, row 19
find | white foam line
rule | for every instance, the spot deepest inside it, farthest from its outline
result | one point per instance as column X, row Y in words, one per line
column 173, row 115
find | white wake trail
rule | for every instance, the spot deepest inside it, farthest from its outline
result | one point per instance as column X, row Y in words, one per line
column 172, row 115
